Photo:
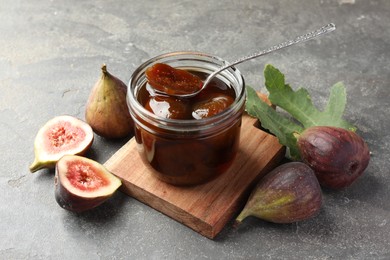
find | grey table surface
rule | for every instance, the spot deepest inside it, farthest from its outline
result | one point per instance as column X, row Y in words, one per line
column 50, row 57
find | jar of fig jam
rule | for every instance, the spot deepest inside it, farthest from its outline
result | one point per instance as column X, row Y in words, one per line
column 187, row 141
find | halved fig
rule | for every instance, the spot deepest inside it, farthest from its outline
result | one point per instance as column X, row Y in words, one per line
column 82, row 184
column 60, row 136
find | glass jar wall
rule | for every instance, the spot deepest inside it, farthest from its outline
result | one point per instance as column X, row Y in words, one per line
column 180, row 149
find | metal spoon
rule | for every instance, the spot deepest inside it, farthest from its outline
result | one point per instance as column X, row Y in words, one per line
column 302, row 38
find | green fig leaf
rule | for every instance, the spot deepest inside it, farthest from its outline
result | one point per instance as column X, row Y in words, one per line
column 270, row 119
column 299, row 105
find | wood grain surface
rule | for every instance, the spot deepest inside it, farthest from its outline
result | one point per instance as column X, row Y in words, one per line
column 205, row 208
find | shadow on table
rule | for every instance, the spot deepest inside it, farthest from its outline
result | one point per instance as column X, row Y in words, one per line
column 99, row 219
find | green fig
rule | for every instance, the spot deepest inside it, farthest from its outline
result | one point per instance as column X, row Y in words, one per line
column 106, row 111
column 288, row 194
column 62, row 135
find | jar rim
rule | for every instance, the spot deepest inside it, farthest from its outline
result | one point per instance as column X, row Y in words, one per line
column 185, row 124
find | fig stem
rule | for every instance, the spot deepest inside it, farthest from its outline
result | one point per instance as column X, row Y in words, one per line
column 104, row 68
column 241, row 217
column 35, row 166
column 296, row 135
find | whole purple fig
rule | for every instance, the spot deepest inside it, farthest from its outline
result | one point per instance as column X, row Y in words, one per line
column 337, row 156
column 287, row 194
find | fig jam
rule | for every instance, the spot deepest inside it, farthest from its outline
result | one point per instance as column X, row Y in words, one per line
column 215, row 98
column 173, row 81
column 187, row 141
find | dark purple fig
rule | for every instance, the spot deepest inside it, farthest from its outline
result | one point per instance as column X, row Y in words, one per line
column 337, row 156
column 287, row 194
column 60, row 136
column 82, row 184
column 106, row 111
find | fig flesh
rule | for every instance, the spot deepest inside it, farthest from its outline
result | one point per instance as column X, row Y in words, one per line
column 60, row 136
column 107, row 111
column 82, row 184
column 287, row 194
column 337, row 156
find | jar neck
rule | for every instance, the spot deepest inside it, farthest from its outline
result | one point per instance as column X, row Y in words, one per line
column 196, row 61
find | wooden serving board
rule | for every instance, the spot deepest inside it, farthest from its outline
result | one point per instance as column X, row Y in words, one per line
column 205, row 208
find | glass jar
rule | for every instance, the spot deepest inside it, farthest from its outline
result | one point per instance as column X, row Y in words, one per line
column 187, row 151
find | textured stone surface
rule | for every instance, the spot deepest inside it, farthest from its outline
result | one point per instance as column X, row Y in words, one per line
column 50, row 57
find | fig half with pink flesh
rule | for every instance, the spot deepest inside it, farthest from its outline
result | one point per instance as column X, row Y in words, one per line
column 60, row 136
column 82, row 184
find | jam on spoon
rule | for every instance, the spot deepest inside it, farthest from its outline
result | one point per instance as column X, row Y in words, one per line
column 166, row 79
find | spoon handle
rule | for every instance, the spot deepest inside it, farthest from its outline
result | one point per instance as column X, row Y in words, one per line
column 302, row 38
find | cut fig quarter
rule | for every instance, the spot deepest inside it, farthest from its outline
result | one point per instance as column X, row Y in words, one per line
column 82, row 184
column 62, row 135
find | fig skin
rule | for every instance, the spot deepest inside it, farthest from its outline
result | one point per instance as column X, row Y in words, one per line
column 82, row 184
column 337, row 156
column 60, row 136
column 107, row 111
column 287, row 194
